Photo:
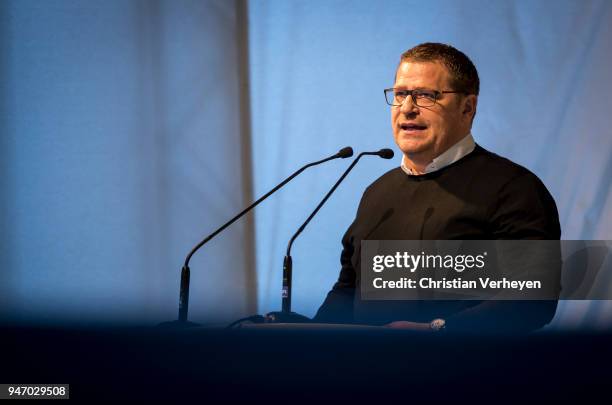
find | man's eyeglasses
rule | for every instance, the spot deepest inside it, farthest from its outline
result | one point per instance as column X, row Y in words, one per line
column 420, row 97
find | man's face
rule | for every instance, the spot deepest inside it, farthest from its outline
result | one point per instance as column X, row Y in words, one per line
column 423, row 133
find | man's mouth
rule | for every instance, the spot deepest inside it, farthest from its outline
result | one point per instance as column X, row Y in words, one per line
column 412, row 127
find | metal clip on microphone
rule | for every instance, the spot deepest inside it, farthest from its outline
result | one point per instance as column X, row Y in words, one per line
column 285, row 315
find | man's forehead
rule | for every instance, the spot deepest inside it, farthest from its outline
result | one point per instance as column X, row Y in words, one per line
column 422, row 73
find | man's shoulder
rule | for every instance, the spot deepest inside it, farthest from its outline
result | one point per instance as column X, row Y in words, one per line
column 388, row 180
column 524, row 208
column 394, row 175
column 499, row 163
column 501, row 170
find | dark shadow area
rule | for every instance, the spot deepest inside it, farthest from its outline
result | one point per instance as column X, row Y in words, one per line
column 205, row 364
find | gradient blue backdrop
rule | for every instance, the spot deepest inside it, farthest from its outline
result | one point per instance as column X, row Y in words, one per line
column 132, row 128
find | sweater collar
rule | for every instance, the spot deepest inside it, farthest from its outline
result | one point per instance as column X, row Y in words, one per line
column 451, row 155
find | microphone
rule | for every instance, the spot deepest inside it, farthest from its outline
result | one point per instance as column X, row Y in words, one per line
column 286, row 315
column 185, row 271
column 346, row 152
column 384, row 153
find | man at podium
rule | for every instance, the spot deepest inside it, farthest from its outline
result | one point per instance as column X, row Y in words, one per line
column 447, row 187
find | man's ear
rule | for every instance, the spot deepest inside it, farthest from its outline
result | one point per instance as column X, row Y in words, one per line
column 469, row 105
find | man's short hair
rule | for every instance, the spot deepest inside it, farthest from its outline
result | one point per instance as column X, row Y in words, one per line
column 464, row 75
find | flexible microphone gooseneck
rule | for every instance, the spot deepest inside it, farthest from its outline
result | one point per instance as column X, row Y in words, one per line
column 286, row 315
column 185, row 271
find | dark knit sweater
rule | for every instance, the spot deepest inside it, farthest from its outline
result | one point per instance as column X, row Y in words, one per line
column 481, row 196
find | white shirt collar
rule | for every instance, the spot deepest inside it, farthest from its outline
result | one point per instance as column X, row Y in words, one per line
column 452, row 154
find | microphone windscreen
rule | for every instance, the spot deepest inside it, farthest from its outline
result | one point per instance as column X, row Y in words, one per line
column 345, row 152
column 385, row 153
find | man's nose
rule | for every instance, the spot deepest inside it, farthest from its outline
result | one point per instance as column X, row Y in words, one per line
column 408, row 106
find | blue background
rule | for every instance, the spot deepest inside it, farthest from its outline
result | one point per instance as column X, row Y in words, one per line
column 130, row 129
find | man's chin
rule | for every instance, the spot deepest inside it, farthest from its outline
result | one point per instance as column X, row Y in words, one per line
column 413, row 144
column 413, row 148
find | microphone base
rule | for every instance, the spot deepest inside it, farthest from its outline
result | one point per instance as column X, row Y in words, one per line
column 286, row 317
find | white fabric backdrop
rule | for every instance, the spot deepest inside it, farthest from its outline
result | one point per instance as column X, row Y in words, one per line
column 121, row 147
column 317, row 73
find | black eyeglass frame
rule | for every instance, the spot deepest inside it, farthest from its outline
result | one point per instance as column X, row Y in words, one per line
column 411, row 93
